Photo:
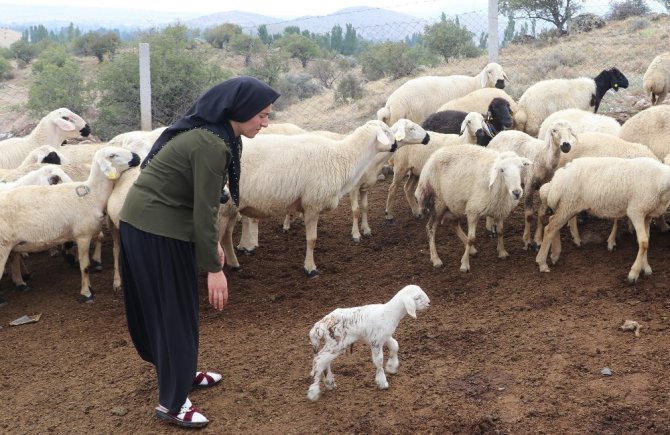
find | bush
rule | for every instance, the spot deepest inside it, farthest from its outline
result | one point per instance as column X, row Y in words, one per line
column 5, row 69
column 450, row 40
column 295, row 87
column 23, row 51
column 350, row 88
column 325, row 71
column 53, row 55
column 627, row 8
column 393, row 59
column 57, row 85
column 585, row 23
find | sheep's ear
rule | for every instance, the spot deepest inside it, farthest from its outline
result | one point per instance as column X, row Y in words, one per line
column 487, row 130
column 108, row 169
column 484, row 78
column 505, row 76
column 410, row 306
column 526, row 161
column 399, row 133
column 65, row 125
column 493, row 174
column 382, row 137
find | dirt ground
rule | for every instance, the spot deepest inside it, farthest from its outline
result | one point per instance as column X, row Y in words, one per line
column 503, row 349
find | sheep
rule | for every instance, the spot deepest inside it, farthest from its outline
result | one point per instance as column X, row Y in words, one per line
column 478, row 101
column 43, row 155
column 498, row 118
column 68, row 211
column 283, row 128
column 374, row 324
column 545, row 155
column 410, row 159
column 421, row 96
column 149, row 136
column 472, row 182
column 53, row 129
column 650, row 127
column 608, row 187
column 656, row 80
column 548, row 96
column 298, row 176
column 582, row 121
column 45, row 175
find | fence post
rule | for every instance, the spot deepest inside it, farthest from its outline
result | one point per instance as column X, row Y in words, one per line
column 145, row 87
column 493, row 31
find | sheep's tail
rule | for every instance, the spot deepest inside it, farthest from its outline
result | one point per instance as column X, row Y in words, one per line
column 425, row 197
column 520, row 119
column 384, row 114
column 317, row 332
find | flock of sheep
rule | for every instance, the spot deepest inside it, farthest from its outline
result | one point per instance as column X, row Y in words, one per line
column 463, row 148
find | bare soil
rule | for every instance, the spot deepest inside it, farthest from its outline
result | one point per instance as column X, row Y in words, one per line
column 503, row 349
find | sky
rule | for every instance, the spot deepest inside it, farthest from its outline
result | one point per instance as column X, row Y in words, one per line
column 275, row 8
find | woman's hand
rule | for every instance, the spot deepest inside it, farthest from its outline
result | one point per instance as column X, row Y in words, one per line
column 217, row 284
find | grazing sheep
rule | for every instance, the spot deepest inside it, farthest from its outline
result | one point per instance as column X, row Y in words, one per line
column 498, row 118
column 53, row 129
column 545, row 155
column 68, row 211
column 297, row 176
column 419, row 97
column 410, row 159
column 466, row 181
column 374, row 324
column 582, row 121
column 650, row 127
column 656, row 80
column 548, row 96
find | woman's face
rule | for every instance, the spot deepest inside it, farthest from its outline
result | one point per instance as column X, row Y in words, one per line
column 251, row 127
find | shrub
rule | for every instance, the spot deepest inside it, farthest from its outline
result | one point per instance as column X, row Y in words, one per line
column 450, row 40
column 295, row 87
column 5, row 69
column 325, row 71
column 350, row 88
column 627, row 8
column 393, row 59
column 56, row 85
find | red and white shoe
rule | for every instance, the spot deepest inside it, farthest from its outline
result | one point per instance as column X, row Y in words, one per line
column 187, row 416
column 206, row 379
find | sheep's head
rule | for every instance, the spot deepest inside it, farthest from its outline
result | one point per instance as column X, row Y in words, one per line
column 561, row 135
column 414, row 299
column 67, row 123
column 409, row 132
column 113, row 161
column 508, row 165
column 500, row 114
column 384, row 136
column 493, row 76
column 475, row 126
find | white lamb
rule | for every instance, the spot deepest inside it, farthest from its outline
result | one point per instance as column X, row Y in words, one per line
column 650, row 127
column 608, row 187
column 582, row 121
column 548, row 96
column 472, row 182
column 374, row 324
column 302, row 177
column 53, row 129
column 410, row 159
column 478, row 101
column 283, row 128
column 68, row 211
column 656, row 80
column 123, row 139
column 545, row 155
column 45, row 175
column 421, row 96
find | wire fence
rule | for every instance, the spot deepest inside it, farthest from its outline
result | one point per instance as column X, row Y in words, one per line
column 537, row 56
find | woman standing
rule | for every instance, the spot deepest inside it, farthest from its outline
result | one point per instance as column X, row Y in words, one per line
column 169, row 227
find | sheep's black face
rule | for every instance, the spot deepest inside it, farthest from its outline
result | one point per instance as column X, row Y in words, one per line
column 85, row 131
column 52, row 158
column 618, row 79
column 135, row 161
column 500, row 84
column 565, row 147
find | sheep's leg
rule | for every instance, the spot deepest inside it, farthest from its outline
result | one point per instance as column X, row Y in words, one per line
column 464, row 238
column 4, row 256
column 574, row 231
column 249, row 237
column 287, row 223
column 528, row 217
column 321, row 361
column 365, row 226
column 539, row 227
column 116, row 251
column 502, row 252
column 355, row 213
column 556, row 248
column 329, row 379
column 311, row 223
column 646, row 268
column 431, row 228
column 15, row 262
column 611, row 240
column 410, row 187
column 398, row 175
column 96, row 258
column 490, row 227
column 556, row 222
column 393, row 362
column 83, row 245
column 662, row 224
column 470, row 241
column 226, row 227
column 378, row 360
column 640, row 224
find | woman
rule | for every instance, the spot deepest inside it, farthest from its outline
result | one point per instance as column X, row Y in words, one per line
column 169, row 227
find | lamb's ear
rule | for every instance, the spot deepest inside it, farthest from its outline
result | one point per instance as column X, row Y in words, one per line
column 410, row 306
column 399, row 134
column 65, row 125
column 382, row 137
column 108, row 169
column 493, row 174
column 484, row 78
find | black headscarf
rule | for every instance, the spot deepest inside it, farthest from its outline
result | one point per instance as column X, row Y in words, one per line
column 238, row 99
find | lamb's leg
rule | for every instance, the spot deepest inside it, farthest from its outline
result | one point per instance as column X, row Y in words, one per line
column 355, row 213
column 502, row 252
column 321, row 361
column 287, row 223
column 393, row 362
column 539, row 227
column 226, row 226
column 528, row 217
column 4, row 255
column 365, row 226
column 311, row 222
column 249, row 236
column 431, row 228
column 15, row 262
column 574, row 231
column 116, row 251
column 611, row 240
column 464, row 238
column 490, row 227
column 472, row 228
column 83, row 245
column 646, row 268
column 410, row 187
column 556, row 222
column 96, row 258
column 640, row 224
column 398, row 175
column 378, row 360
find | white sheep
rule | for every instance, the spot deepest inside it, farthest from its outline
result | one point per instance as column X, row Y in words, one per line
column 548, row 96
column 582, row 121
column 478, row 101
column 608, row 187
column 65, row 212
column 472, row 182
column 374, row 324
column 123, row 139
column 421, row 96
column 283, row 128
column 410, row 159
column 656, row 80
column 44, row 175
column 306, row 177
column 650, row 127
column 545, row 155
column 53, row 129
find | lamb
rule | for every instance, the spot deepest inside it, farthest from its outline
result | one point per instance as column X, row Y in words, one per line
column 471, row 182
column 68, row 211
column 137, row 141
column 650, row 127
column 545, row 155
column 498, row 118
column 53, row 129
column 641, row 192
column 374, row 324
column 582, row 121
column 419, row 97
column 411, row 159
column 548, row 96
column 45, row 175
column 283, row 128
column 656, row 80
column 306, row 177
column 46, row 154
column 478, row 101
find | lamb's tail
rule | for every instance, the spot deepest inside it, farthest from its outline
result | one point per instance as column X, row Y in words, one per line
column 317, row 332
column 384, row 114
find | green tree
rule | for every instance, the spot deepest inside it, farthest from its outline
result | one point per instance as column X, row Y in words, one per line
column 96, row 44
column 55, row 54
column 336, row 39
column 269, row 66
column 264, row 35
column 392, row 59
column 58, row 84
column 350, row 42
column 299, row 47
column 23, row 51
column 557, row 12
column 508, row 34
column 246, row 45
column 289, row 30
column 221, row 35
column 450, row 40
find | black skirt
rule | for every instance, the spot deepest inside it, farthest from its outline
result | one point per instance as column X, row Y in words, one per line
column 160, row 286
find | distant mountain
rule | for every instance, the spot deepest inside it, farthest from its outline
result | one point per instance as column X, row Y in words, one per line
column 243, row 19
